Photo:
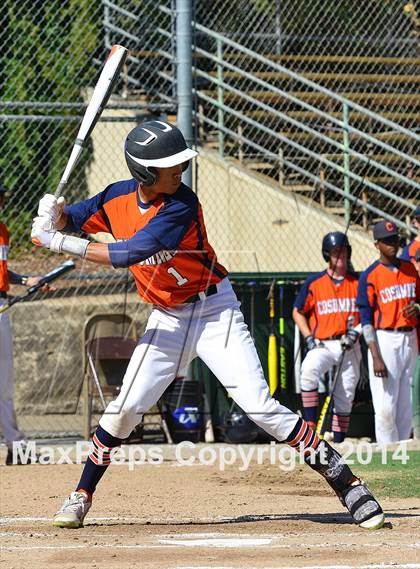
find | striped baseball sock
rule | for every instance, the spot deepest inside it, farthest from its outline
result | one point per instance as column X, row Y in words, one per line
column 310, row 400
column 320, row 456
column 340, row 426
column 303, row 438
column 98, row 460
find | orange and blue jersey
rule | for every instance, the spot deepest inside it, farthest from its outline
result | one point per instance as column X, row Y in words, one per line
column 4, row 252
column 328, row 303
column 409, row 251
column 384, row 291
column 163, row 242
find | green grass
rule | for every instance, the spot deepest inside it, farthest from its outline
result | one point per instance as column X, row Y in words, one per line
column 393, row 479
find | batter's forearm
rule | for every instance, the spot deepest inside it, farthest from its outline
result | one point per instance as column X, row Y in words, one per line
column 98, row 253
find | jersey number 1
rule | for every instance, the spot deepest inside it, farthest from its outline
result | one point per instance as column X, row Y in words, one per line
column 180, row 280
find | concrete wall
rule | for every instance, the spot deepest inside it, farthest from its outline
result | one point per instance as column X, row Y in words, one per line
column 256, row 226
column 48, row 347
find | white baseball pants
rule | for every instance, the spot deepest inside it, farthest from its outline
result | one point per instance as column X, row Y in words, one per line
column 8, row 424
column 214, row 330
column 391, row 395
column 321, row 359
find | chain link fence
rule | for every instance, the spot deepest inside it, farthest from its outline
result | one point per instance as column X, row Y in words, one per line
column 281, row 163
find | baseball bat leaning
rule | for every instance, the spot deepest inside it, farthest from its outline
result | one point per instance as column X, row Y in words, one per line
column 273, row 379
column 48, row 278
column 100, row 96
column 283, row 362
column 322, row 421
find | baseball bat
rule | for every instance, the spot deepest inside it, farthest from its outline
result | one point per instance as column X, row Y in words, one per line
column 321, row 425
column 322, row 421
column 297, row 358
column 49, row 277
column 100, row 96
column 283, row 362
column 273, row 379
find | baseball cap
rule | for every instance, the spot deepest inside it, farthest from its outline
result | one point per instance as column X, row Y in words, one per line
column 384, row 229
column 416, row 212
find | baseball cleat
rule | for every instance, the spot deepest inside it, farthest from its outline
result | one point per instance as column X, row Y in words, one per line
column 73, row 511
column 361, row 504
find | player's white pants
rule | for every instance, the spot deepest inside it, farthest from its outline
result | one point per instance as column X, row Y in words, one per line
column 319, row 360
column 391, row 395
column 8, row 424
column 213, row 329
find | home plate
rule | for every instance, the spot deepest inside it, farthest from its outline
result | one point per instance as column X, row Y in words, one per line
column 218, row 542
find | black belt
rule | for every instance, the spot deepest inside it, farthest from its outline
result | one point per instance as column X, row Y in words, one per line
column 212, row 289
column 3, row 294
column 331, row 338
column 402, row 329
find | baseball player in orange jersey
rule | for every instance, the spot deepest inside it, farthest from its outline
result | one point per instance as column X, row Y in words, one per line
column 388, row 292
column 8, row 422
column 322, row 311
column 410, row 250
column 160, row 234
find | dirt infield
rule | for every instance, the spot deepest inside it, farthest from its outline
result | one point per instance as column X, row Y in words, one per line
column 169, row 516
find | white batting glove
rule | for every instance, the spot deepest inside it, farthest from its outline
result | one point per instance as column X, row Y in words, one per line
column 42, row 237
column 50, row 208
column 349, row 339
column 56, row 241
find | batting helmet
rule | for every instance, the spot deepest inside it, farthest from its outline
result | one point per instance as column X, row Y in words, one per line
column 3, row 189
column 155, row 144
column 236, row 427
column 333, row 240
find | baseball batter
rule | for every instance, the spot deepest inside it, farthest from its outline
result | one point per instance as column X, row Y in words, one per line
column 388, row 292
column 322, row 311
column 160, row 234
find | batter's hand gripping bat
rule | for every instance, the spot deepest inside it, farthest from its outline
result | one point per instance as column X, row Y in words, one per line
column 100, row 96
column 48, row 278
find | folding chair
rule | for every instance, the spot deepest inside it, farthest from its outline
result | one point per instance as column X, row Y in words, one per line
column 108, row 344
column 109, row 341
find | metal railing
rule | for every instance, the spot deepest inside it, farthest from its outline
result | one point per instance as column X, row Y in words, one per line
column 346, row 155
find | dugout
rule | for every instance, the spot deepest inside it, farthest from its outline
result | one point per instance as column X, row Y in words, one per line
column 252, row 290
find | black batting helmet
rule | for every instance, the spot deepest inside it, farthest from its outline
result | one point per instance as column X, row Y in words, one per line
column 236, row 428
column 333, row 240
column 155, row 144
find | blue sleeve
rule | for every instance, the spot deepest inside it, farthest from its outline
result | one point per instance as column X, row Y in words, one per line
column 140, row 247
column 405, row 256
column 300, row 300
column 163, row 232
column 172, row 222
column 80, row 212
column 362, row 301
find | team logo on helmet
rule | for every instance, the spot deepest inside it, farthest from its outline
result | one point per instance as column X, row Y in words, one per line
column 389, row 226
column 155, row 144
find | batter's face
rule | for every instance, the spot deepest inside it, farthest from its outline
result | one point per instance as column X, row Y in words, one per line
column 169, row 179
column 339, row 258
column 388, row 247
column 416, row 223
